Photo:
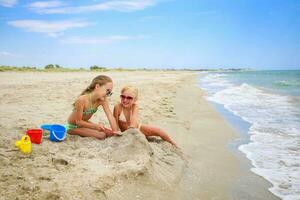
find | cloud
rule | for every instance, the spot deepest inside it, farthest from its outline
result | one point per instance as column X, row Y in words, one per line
column 146, row 18
column 6, row 54
column 50, row 28
column 98, row 40
column 116, row 5
column 8, row 3
column 45, row 4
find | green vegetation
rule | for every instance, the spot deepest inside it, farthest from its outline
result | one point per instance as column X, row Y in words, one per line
column 47, row 68
column 58, row 68
column 95, row 68
column 51, row 66
column 12, row 68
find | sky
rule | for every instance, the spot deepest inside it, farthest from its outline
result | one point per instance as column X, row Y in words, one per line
column 260, row 34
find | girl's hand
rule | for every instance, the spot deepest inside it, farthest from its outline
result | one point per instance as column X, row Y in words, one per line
column 109, row 132
column 100, row 127
column 118, row 133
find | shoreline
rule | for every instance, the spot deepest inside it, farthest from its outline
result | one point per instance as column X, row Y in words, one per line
column 243, row 138
column 253, row 186
column 229, row 175
column 128, row 166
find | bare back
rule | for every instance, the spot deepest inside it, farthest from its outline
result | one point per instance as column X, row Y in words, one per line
column 83, row 109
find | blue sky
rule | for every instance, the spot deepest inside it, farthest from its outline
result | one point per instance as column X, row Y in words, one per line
column 262, row 34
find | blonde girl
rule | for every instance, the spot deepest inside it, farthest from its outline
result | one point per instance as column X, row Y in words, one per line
column 126, row 115
column 87, row 104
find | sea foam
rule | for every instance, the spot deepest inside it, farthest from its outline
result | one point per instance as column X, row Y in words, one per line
column 274, row 147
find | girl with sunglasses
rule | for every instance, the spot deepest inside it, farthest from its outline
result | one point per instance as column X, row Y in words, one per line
column 126, row 114
column 87, row 104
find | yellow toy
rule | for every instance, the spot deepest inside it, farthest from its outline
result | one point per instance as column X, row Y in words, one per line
column 24, row 144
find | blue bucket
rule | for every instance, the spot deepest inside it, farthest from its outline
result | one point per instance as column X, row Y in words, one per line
column 57, row 133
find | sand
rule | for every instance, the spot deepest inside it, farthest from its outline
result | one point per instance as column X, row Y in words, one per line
column 125, row 167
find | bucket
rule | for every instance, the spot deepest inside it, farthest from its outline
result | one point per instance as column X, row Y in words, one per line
column 57, row 133
column 35, row 135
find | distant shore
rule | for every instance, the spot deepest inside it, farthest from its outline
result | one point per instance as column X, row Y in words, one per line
column 57, row 68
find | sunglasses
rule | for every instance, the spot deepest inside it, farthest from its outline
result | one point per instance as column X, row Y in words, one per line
column 108, row 93
column 126, row 97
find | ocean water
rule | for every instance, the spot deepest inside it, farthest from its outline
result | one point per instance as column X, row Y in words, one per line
column 270, row 102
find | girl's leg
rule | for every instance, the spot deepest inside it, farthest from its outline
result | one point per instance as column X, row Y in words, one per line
column 87, row 132
column 154, row 131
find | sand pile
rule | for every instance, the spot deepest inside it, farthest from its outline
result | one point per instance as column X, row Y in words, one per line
column 123, row 167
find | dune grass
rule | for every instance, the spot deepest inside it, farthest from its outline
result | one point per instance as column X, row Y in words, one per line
column 62, row 69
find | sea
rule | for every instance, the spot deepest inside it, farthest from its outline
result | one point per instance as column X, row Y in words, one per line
column 268, row 102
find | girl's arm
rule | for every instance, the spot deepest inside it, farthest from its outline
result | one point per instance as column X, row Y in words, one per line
column 134, row 116
column 79, row 105
column 109, row 115
column 117, row 115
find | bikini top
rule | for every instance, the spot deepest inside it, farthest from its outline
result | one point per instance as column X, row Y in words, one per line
column 90, row 110
column 122, row 116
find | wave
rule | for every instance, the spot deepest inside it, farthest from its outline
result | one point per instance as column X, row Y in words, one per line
column 274, row 134
column 288, row 83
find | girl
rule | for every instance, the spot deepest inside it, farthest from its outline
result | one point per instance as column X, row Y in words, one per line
column 126, row 114
column 87, row 104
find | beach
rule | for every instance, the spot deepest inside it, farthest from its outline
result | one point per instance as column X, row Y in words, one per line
column 129, row 166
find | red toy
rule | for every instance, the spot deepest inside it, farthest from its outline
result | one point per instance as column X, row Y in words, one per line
column 35, row 135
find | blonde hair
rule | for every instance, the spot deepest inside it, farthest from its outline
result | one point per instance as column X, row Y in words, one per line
column 100, row 80
column 132, row 89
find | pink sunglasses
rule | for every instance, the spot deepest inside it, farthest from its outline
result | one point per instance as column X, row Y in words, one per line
column 126, row 97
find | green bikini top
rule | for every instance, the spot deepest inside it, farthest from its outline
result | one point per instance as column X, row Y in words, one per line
column 90, row 110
